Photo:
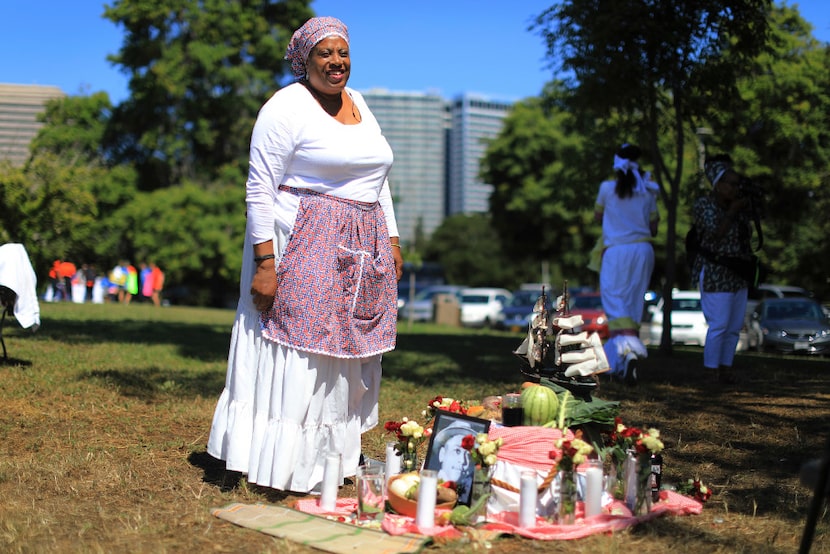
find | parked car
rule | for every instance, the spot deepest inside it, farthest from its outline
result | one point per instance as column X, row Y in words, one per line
column 790, row 325
column 688, row 326
column 518, row 312
column 766, row 290
column 482, row 307
column 421, row 307
column 589, row 306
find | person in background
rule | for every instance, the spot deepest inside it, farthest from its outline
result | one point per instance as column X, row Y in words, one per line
column 627, row 209
column 67, row 271
column 157, row 283
column 724, row 224
column 145, row 283
column 131, row 286
column 89, row 275
column 318, row 295
column 118, row 278
column 56, row 280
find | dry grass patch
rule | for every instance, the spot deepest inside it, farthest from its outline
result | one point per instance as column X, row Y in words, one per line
column 105, row 412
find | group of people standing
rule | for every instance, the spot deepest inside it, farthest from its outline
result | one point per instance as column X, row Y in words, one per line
column 627, row 209
column 122, row 284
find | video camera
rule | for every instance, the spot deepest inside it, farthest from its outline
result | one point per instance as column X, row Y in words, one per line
column 748, row 189
column 755, row 193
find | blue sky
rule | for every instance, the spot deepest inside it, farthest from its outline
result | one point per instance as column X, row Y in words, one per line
column 443, row 46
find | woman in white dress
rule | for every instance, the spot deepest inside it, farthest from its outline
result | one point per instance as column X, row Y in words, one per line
column 318, row 293
column 627, row 208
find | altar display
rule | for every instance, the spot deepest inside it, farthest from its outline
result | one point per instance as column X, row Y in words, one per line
column 571, row 469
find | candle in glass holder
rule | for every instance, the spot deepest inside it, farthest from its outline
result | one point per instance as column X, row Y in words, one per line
column 393, row 460
column 593, row 488
column 331, row 478
column 427, row 490
column 527, row 499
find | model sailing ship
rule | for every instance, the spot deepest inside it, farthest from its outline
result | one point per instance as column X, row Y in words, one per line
column 557, row 349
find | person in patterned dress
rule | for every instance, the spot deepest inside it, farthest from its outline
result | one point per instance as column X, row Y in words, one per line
column 318, row 291
column 724, row 224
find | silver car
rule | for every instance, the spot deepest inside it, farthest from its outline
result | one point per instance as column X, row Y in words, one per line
column 790, row 325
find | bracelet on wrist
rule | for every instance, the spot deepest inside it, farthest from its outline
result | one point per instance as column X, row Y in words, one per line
column 395, row 245
column 264, row 257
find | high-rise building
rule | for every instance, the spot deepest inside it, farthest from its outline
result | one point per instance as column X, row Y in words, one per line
column 474, row 119
column 19, row 108
column 416, row 125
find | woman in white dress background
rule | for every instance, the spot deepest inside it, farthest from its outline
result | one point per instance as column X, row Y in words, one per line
column 627, row 209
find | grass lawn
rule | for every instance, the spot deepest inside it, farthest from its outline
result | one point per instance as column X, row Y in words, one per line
column 105, row 412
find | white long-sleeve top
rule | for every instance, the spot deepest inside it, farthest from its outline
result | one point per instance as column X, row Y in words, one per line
column 625, row 220
column 297, row 144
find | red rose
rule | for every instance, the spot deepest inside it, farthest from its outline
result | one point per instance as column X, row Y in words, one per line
column 468, row 442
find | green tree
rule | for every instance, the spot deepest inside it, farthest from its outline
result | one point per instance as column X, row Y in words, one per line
column 194, row 234
column 541, row 206
column 199, row 71
column 49, row 208
column 775, row 127
column 469, row 249
column 657, row 65
column 70, row 143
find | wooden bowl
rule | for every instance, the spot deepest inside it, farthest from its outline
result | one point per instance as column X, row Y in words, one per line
column 407, row 507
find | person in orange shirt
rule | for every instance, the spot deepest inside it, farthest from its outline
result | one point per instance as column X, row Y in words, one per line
column 157, row 278
column 67, row 272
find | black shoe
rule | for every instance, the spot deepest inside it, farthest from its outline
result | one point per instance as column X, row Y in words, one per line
column 631, row 376
column 725, row 376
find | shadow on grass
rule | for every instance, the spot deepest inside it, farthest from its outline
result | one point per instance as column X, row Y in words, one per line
column 15, row 362
column 431, row 359
column 149, row 384
column 204, row 342
column 215, row 472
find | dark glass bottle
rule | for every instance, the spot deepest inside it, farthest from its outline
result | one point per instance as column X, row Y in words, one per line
column 656, row 476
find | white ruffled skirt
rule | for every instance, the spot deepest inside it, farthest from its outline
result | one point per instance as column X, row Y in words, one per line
column 283, row 410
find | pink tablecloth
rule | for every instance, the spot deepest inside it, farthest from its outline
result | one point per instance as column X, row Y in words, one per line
column 615, row 517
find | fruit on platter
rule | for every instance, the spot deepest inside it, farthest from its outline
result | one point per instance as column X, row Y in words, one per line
column 403, row 494
column 405, row 485
column 539, row 404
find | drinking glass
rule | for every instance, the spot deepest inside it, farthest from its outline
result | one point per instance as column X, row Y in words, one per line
column 371, row 492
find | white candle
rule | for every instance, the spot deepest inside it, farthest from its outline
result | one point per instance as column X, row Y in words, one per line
column 331, row 482
column 593, row 488
column 428, row 488
column 527, row 499
column 393, row 461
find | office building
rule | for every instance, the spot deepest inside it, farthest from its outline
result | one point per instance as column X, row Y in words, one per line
column 474, row 119
column 415, row 124
column 19, row 108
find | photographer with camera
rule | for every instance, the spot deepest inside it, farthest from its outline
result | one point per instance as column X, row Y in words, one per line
column 725, row 266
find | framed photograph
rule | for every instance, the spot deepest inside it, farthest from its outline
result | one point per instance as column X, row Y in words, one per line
column 446, row 455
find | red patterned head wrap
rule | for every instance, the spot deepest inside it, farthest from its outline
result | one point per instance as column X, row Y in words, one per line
column 313, row 31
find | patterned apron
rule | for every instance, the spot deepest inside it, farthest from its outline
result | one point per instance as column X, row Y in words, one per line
column 336, row 281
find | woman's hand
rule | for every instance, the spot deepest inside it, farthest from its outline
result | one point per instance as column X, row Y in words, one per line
column 397, row 256
column 264, row 285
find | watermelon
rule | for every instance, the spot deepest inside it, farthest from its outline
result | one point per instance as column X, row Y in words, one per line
column 539, row 404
